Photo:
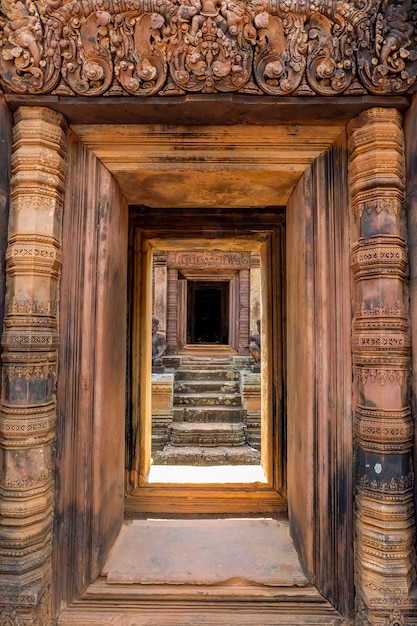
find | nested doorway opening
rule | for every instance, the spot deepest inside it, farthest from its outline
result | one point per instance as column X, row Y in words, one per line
column 318, row 361
column 217, row 293
column 208, row 312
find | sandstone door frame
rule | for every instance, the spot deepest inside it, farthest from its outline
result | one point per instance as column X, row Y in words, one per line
column 319, row 212
column 310, row 418
column 240, row 497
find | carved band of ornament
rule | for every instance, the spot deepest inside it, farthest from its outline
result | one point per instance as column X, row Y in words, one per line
column 19, row 509
column 392, row 486
column 380, row 308
column 30, row 372
column 393, row 555
column 38, row 155
column 35, row 116
column 10, row 616
column 31, row 252
column 16, row 595
column 387, row 507
column 43, row 478
column 374, row 117
column 31, row 307
column 170, row 47
column 395, row 618
column 37, row 430
column 373, row 326
column 381, row 361
column 29, row 339
column 381, row 205
column 380, row 140
column 36, row 201
column 29, row 358
column 379, row 143
column 381, row 376
column 383, row 437
column 35, row 323
column 38, row 152
column 390, row 586
column 211, row 259
column 378, row 340
column 379, row 258
column 32, row 561
column 389, row 556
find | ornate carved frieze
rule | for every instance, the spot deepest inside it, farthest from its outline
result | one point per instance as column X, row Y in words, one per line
column 383, row 425
column 209, row 260
column 168, row 47
column 29, row 342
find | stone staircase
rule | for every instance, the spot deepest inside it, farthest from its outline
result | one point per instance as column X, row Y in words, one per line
column 208, row 424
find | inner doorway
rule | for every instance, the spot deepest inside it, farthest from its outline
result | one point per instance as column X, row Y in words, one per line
column 201, row 272
column 207, row 312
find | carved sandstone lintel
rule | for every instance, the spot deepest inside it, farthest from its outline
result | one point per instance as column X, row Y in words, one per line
column 29, row 341
column 170, row 47
column 383, row 425
column 208, row 260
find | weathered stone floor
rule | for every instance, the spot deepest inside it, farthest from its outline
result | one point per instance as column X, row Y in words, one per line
column 204, row 552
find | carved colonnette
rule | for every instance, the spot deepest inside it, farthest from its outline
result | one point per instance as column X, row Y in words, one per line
column 30, row 337
column 170, row 47
column 383, row 425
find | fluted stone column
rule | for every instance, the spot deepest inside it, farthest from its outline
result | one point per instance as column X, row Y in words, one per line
column 30, row 338
column 385, row 524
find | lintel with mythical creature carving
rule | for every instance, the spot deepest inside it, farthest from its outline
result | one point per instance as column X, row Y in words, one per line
column 174, row 47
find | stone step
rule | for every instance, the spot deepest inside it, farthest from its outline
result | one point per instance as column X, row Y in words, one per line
column 207, row 386
column 205, row 374
column 209, row 414
column 207, row 434
column 200, row 455
column 207, row 399
column 206, row 362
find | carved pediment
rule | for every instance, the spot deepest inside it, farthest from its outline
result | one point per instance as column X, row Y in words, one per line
column 171, row 47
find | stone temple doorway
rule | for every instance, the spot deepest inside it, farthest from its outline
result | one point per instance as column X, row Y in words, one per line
column 317, row 236
column 221, row 105
column 206, row 390
column 208, row 312
column 316, row 300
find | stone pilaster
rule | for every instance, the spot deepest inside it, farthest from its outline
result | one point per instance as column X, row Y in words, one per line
column 30, row 338
column 172, row 310
column 160, row 289
column 381, row 351
column 244, row 310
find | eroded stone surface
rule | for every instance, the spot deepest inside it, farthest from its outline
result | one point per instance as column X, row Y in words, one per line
column 204, row 552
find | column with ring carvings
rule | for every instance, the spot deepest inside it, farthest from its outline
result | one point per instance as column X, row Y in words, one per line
column 385, row 524
column 29, row 341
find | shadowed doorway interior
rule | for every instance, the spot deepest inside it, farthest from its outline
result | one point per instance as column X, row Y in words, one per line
column 207, row 312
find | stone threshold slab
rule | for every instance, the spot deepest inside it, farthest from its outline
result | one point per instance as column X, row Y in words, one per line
column 204, row 552
column 213, row 474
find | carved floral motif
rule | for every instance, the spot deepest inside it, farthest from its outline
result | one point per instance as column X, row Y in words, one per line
column 168, row 47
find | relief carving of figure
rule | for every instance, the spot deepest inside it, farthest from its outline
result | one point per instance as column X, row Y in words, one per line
column 210, row 49
column 255, row 343
column 21, row 45
column 25, row 31
column 172, row 47
column 159, row 344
